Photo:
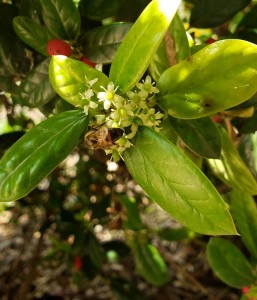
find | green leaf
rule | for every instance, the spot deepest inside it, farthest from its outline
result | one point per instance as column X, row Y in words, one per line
column 62, row 18
column 175, row 234
column 35, row 90
column 33, row 34
column 231, row 169
column 137, row 49
column 95, row 250
column 149, row 262
column 229, row 263
column 13, row 58
column 100, row 9
column 211, row 13
column 194, row 88
column 201, row 136
column 244, row 211
column 196, row 159
column 173, row 48
column 31, row 9
column 249, row 19
column 67, row 77
column 131, row 218
column 38, row 152
column 100, row 44
column 174, row 182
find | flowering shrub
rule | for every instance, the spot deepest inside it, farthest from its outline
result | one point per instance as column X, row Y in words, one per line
column 169, row 103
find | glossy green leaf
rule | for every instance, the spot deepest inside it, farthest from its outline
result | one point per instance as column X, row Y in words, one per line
column 35, row 90
column 196, row 159
column 231, row 169
column 38, row 152
column 167, row 131
column 174, row 182
column 137, row 49
column 201, row 136
column 195, row 87
column 32, row 33
column 173, row 49
column 67, row 77
column 229, row 263
column 179, row 36
column 244, row 211
column 149, row 262
column 100, row 44
column 100, row 9
column 211, row 13
column 62, row 18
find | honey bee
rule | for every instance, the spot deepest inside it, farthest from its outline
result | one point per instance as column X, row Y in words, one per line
column 103, row 137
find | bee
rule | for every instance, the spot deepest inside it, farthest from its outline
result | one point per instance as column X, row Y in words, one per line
column 103, row 137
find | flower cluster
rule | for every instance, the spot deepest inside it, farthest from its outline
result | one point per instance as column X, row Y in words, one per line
column 126, row 112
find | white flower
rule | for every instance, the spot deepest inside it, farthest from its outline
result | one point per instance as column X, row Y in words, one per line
column 151, row 118
column 108, row 96
column 122, row 115
column 89, row 92
column 147, row 86
column 138, row 98
column 91, row 104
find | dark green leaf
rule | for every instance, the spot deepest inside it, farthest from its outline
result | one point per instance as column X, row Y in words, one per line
column 36, row 90
column 99, row 9
column 61, row 18
column 137, row 49
column 229, row 263
column 95, row 250
column 68, row 78
column 175, row 234
column 212, row 13
column 244, row 211
column 194, row 88
column 249, row 124
column 33, row 34
column 38, row 152
column 149, row 262
column 100, row 44
column 231, row 169
column 31, row 9
column 201, row 136
column 13, row 57
column 177, row 185
column 249, row 20
column 131, row 216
